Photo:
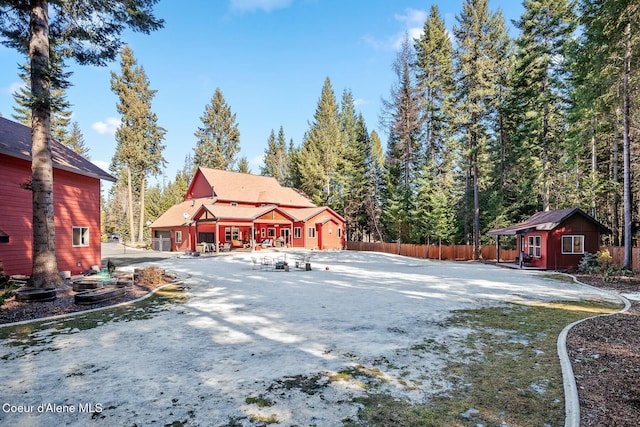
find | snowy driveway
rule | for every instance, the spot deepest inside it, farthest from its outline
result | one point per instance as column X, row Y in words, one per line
column 251, row 345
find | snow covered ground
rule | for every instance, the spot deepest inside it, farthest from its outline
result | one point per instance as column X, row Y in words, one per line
column 293, row 347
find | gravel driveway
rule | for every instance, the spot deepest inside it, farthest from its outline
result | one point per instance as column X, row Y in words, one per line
column 250, row 346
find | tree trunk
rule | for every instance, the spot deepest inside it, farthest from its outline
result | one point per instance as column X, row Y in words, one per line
column 615, row 178
column 132, row 235
column 141, row 227
column 626, row 150
column 45, row 268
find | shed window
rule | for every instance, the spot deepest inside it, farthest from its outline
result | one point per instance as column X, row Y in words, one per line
column 572, row 244
column 535, row 246
column 178, row 236
column 312, row 232
column 297, row 232
column 80, row 236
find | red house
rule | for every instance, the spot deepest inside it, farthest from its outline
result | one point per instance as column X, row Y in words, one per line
column 242, row 210
column 76, row 195
column 555, row 240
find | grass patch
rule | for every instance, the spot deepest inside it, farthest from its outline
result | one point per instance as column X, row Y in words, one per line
column 506, row 371
column 36, row 333
column 259, row 401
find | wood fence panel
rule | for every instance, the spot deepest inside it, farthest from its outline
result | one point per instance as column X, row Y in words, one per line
column 617, row 253
column 444, row 252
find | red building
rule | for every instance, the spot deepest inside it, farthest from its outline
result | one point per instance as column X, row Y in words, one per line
column 76, row 195
column 555, row 240
column 243, row 210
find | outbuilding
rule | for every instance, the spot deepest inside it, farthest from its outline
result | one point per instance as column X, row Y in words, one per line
column 554, row 240
column 76, row 196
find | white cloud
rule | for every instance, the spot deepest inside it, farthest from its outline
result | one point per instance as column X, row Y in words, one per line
column 15, row 87
column 412, row 22
column 108, row 126
column 255, row 5
column 101, row 164
column 359, row 102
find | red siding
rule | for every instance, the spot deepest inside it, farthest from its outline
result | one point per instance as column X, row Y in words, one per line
column 77, row 203
column 199, row 187
column 552, row 257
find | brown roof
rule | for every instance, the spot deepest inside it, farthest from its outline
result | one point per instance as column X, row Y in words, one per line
column 307, row 213
column 247, row 188
column 15, row 141
column 545, row 221
column 175, row 215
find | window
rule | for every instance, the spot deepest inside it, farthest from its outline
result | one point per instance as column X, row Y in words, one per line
column 80, row 236
column 339, row 232
column 205, row 237
column 311, row 232
column 297, row 232
column 231, row 233
column 535, row 249
column 572, row 244
column 178, row 236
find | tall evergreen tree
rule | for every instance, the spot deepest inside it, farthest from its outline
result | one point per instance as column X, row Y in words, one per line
column 89, row 33
column 321, row 151
column 402, row 117
column 546, row 27
column 476, row 88
column 374, row 176
column 218, row 140
column 243, row 165
column 139, row 138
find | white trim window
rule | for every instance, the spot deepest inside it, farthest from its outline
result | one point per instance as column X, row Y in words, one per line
column 80, row 236
column 271, row 233
column 311, row 232
column 573, row 244
column 534, row 246
column 297, row 232
column 178, row 236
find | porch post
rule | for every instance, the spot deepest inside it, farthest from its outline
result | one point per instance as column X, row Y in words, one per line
column 217, row 239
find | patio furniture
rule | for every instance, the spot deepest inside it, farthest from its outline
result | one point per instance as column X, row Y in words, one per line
column 255, row 263
column 303, row 262
column 225, row 247
column 267, row 264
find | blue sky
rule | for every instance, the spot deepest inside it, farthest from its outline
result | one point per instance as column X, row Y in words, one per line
column 268, row 57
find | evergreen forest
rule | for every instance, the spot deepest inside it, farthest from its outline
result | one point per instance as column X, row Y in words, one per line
column 485, row 124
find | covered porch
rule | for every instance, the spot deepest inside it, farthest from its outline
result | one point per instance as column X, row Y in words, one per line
column 226, row 228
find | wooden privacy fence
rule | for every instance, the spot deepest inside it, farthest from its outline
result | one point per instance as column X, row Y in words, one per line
column 617, row 253
column 465, row 252
column 445, row 252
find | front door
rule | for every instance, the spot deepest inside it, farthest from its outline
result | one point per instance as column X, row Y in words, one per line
column 285, row 234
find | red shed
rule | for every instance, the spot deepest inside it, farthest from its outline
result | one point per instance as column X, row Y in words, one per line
column 76, row 195
column 555, row 240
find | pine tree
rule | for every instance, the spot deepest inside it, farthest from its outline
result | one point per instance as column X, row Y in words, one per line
column 139, row 138
column 321, row 151
column 89, row 33
column 545, row 29
column 276, row 162
column 76, row 141
column 402, row 116
column 243, row 165
column 218, row 140
column 374, row 175
column 476, row 87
